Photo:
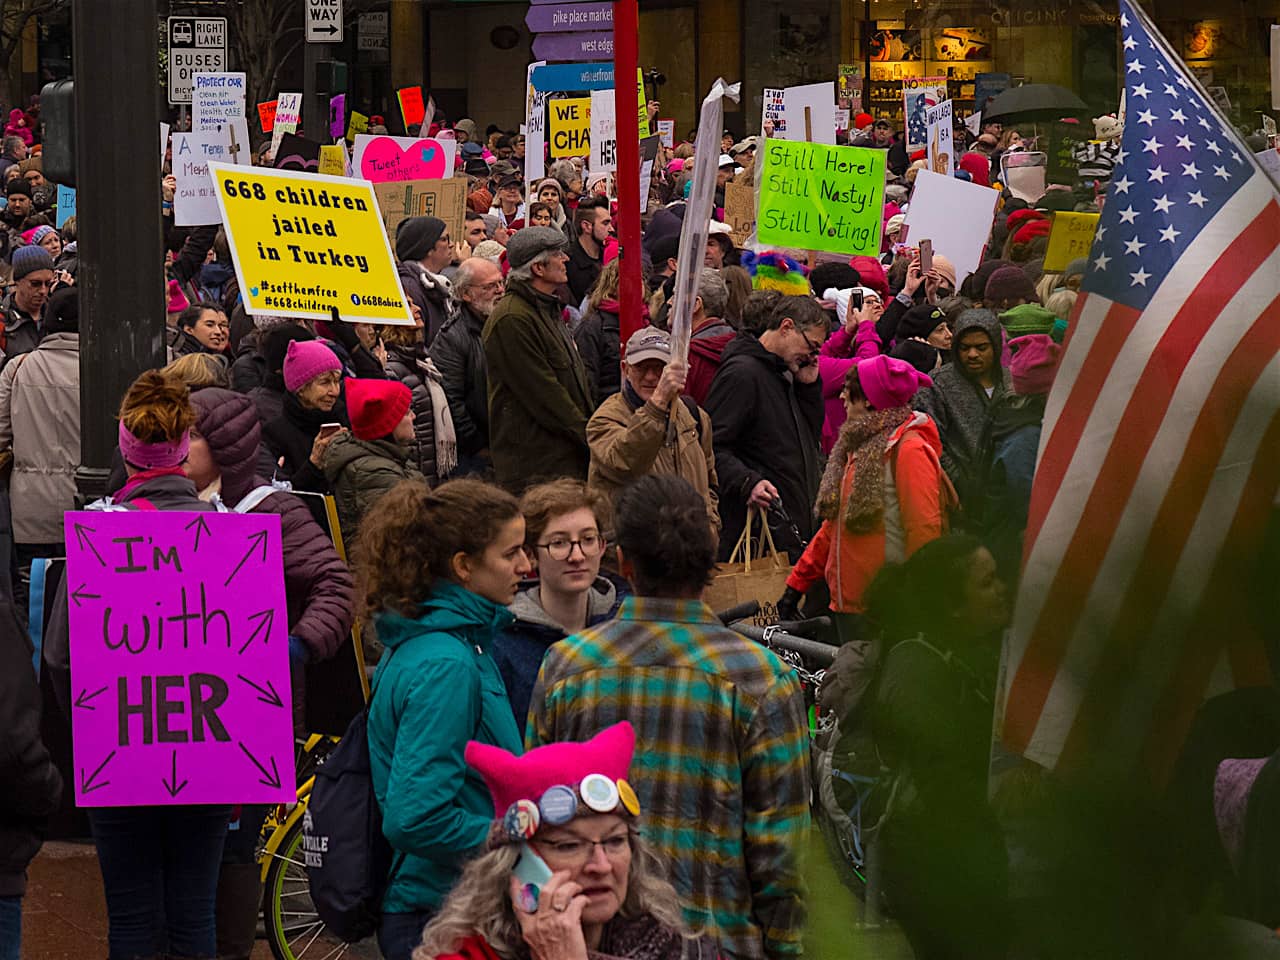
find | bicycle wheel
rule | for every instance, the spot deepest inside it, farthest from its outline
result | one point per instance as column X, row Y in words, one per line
column 294, row 931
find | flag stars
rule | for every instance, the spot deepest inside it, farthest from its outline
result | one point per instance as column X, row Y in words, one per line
column 1147, row 117
column 1134, row 247
column 1182, row 82
column 1197, row 199
column 1170, row 91
column 1236, row 157
column 1122, row 185
column 1157, row 174
column 1185, row 142
column 1128, row 215
column 1169, row 234
column 1191, row 170
column 1212, row 147
column 1204, row 123
column 1142, row 91
column 1124, row 20
column 1163, row 204
column 1101, row 232
column 1130, row 43
column 1139, row 279
column 1160, row 67
column 1221, row 172
column 1136, row 66
column 1178, row 115
column 1101, row 261
column 1151, row 146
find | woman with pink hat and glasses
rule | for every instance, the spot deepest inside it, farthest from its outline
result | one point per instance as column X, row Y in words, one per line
column 565, row 875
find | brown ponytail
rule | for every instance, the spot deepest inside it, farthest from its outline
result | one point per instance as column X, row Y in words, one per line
column 157, row 408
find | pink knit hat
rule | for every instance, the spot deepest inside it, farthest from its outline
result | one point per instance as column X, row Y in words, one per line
column 1035, row 361
column 555, row 783
column 306, row 360
column 889, row 383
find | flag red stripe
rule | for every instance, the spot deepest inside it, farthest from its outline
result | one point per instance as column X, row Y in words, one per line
column 1112, row 487
column 1222, row 619
column 1171, row 529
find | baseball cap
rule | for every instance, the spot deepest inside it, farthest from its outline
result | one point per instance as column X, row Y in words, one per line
column 727, row 161
column 648, row 343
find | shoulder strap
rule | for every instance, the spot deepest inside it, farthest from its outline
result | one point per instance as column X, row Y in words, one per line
column 692, row 406
column 254, row 497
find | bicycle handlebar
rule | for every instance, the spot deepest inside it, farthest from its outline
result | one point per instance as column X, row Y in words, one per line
column 741, row 612
column 804, row 628
column 821, row 654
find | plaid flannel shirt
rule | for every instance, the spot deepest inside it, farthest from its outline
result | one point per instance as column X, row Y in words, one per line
column 721, row 765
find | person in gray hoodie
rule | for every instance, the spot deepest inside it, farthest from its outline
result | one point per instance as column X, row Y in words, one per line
column 963, row 394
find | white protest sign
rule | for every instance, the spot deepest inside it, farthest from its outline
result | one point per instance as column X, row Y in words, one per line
column 288, row 116
column 956, row 215
column 216, row 98
column 667, row 131
column 164, row 141
column 535, row 123
column 604, row 132
column 771, row 110
column 817, row 102
column 939, row 131
column 233, row 139
column 195, row 199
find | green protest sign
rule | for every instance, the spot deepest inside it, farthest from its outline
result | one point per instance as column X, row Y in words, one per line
column 819, row 197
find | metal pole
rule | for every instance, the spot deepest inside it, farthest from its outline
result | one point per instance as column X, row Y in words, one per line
column 121, row 284
column 626, row 56
column 315, row 117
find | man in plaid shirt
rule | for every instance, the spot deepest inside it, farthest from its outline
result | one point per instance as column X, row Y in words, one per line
column 722, row 768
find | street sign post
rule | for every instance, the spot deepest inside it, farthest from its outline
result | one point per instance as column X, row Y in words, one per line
column 373, row 31
column 574, row 46
column 573, row 76
column 196, row 45
column 324, row 21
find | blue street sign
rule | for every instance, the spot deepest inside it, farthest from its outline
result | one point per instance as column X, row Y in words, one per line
column 573, row 46
column 572, row 77
column 566, row 17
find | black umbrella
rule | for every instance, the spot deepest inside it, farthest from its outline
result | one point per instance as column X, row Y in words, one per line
column 1035, row 101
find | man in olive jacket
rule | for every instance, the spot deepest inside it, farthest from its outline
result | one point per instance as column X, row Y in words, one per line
column 539, row 397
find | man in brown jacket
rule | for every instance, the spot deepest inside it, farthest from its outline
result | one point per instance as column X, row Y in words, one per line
column 631, row 436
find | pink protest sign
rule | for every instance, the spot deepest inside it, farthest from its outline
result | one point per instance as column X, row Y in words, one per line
column 179, row 659
column 379, row 159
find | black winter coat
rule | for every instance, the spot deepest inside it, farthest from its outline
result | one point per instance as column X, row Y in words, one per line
column 292, row 435
column 250, row 367
column 583, row 270
column 458, row 353
column 433, row 300
column 767, row 426
column 599, row 343
column 402, row 365
column 32, row 785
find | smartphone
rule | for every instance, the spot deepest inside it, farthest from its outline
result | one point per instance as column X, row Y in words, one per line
column 533, row 873
column 855, row 299
column 329, row 429
column 926, row 256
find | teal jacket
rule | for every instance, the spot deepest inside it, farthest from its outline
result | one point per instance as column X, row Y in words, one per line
column 436, row 688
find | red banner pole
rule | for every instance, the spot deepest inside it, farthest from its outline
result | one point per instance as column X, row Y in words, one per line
column 626, row 57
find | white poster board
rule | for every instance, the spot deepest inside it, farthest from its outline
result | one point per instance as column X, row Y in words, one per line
column 939, row 130
column 604, row 132
column 819, row 99
column 667, row 133
column 195, row 199
column 956, row 215
column 772, row 110
column 535, row 126
column 288, row 116
column 216, row 99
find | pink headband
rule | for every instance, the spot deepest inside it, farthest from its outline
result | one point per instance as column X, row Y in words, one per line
column 153, row 455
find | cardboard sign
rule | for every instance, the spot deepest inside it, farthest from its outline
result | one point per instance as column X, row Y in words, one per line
column 819, row 197
column 918, row 94
column 288, row 116
column 1070, row 238
column 297, row 153
column 939, row 133
column 446, row 199
column 809, row 112
column 772, row 109
column 333, row 160
column 956, row 215
column 337, row 116
column 304, row 243
column 604, row 132
column 358, row 124
column 66, row 205
column 570, row 127
column 667, row 131
column 179, row 659
column 412, row 107
column 740, row 211
column 194, row 202
column 216, row 99
column 535, row 127
column 379, row 159
column 267, row 115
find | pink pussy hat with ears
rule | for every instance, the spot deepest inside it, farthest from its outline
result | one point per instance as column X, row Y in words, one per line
column 553, row 784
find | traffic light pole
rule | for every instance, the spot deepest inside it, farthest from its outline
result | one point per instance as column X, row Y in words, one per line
column 121, row 247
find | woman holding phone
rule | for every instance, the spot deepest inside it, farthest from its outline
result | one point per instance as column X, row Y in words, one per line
column 294, row 443
column 437, row 570
column 565, row 873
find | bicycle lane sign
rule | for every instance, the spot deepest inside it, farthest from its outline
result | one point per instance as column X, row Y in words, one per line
column 179, row 659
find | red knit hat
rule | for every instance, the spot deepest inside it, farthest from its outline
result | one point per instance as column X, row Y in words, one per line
column 862, row 121
column 1021, row 217
column 376, row 406
column 1031, row 230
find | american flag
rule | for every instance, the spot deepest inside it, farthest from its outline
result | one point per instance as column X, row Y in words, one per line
column 917, row 102
column 1160, row 455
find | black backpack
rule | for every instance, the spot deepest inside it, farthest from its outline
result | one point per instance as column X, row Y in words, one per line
column 348, row 860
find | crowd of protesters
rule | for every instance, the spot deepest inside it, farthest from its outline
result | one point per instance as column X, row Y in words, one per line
column 532, row 509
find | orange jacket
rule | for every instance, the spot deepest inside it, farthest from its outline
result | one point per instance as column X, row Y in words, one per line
column 917, row 498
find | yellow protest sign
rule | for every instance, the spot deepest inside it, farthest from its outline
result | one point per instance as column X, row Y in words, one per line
column 304, row 243
column 1070, row 238
column 333, row 160
column 570, row 127
column 358, row 123
column 644, row 104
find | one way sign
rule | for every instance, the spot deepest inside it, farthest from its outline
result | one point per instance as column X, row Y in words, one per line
column 324, row 21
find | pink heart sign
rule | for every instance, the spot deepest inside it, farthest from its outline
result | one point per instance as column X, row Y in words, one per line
column 379, row 159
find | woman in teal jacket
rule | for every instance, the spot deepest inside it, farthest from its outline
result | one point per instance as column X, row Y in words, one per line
column 438, row 568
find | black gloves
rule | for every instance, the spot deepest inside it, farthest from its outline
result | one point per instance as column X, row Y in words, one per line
column 788, row 605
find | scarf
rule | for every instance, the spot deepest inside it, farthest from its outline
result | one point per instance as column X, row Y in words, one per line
column 863, row 440
column 446, row 438
column 644, row 938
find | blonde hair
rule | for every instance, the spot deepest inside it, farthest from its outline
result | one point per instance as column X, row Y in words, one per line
column 480, row 904
column 1045, row 286
column 1061, row 304
column 606, row 286
column 199, row 370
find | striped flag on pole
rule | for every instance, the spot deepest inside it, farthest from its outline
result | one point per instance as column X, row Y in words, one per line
column 1159, row 460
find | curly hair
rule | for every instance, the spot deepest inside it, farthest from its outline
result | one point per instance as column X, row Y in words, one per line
column 157, row 407
column 410, row 540
column 480, row 904
column 544, row 502
column 663, row 531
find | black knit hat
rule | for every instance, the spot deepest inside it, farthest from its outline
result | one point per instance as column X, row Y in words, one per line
column 17, row 185
column 417, row 235
column 62, row 311
column 920, row 321
column 921, row 355
column 275, row 344
column 841, row 276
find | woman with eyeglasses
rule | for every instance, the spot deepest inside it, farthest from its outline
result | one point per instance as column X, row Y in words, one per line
column 437, row 569
column 294, row 444
column 564, row 525
column 565, row 874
